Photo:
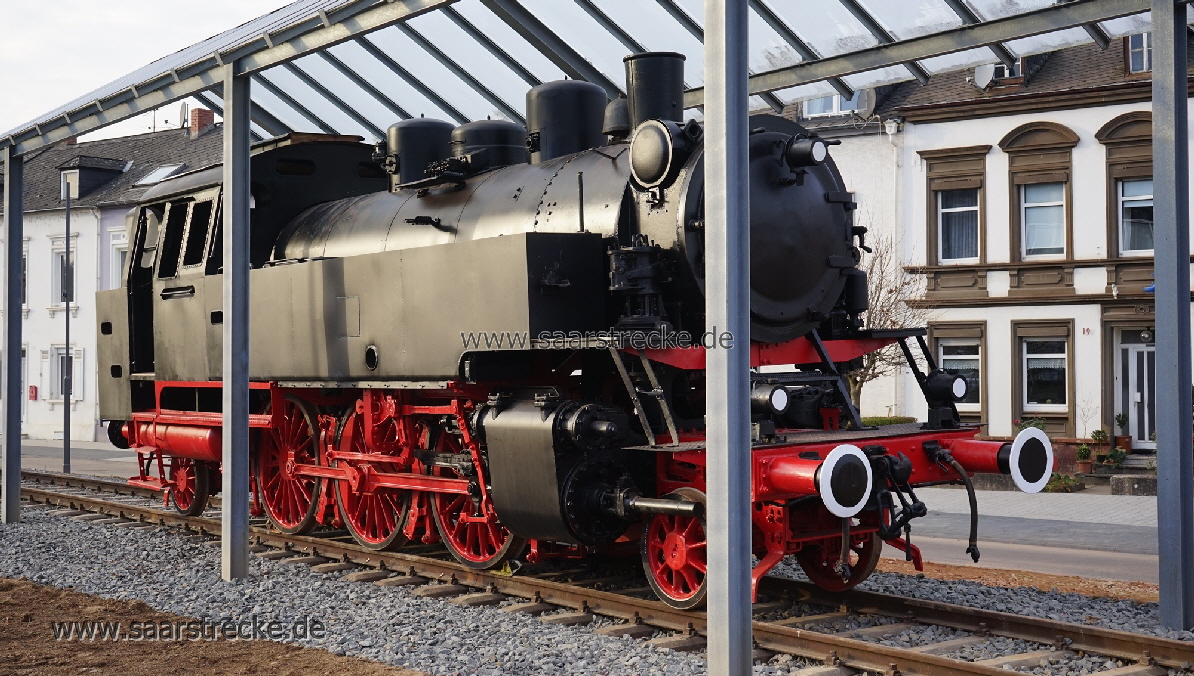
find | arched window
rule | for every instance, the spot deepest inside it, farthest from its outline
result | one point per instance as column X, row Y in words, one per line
column 1129, row 143
column 1039, row 166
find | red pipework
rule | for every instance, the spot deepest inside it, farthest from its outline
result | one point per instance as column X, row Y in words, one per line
column 796, row 351
column 977, row 455
column 793, row 475
column 196, row 443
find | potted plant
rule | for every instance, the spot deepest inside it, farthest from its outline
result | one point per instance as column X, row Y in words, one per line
column 1123, row 439
column 1115, row 457
column 1084, row 463
column 1099, row 436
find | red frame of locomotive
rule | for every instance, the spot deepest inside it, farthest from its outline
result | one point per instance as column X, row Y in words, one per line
column 391, row 465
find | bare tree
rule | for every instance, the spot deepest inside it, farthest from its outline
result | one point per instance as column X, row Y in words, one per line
column 896, row 302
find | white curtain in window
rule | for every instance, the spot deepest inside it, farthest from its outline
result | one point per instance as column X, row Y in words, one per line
column 959, row 234
column 1044, row 219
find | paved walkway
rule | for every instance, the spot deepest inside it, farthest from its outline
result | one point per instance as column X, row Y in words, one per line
column 1122, row 510
column 87, row 457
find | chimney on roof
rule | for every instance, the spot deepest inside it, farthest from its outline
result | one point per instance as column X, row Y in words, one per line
column 202, row 119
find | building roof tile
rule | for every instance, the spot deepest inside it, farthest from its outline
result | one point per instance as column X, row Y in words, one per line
column 146, row 152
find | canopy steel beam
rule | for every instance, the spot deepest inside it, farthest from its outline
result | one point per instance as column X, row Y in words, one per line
column 10, row 346
column 219, row 110
column 611, row 26
column 366, row 85
column 1171, row 199
column 534, row 31
column 727, row 303
column 968, row 17
column 447, row 62
column 864, row 17
column 794, row 41
column 336, row 101
column 1096, row 33
column 410, row 79
column 264, row 118
column 492, row 47
column 697, row 32
column 295, row 105
column 306, row 37
column 234, row 518
column 1044, row 20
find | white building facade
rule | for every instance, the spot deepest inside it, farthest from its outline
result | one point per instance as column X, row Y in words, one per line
column 1027, row 208
column 106, row 178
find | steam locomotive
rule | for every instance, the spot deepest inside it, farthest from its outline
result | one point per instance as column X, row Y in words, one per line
column 494, row 338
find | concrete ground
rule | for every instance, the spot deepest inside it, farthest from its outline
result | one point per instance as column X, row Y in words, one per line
column 1100, row 536
column 86, row 457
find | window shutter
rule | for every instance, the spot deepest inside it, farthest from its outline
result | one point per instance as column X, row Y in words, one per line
column 1132, row 171
column 1049, row 177
column 77, row 380
column 957, row 331
column 1043, row 331
column 44, row 377
column 940, row 184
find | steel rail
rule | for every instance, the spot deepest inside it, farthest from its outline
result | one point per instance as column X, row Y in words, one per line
column 830, row 648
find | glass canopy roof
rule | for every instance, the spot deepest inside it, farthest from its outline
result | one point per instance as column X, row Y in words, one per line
column 463, row 60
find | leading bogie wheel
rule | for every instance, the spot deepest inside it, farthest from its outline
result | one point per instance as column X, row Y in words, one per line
column 191, row 485
column 291, row 500
column 674, row 550
column 819, row 561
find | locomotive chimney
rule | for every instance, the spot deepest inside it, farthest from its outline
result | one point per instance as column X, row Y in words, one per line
column 413, row 144
column 655, row 87
column 564, row 117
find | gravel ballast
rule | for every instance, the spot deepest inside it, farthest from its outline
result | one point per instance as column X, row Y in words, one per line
column 1119, row 614
column 178, row 574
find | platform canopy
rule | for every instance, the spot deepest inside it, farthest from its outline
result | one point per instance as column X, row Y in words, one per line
column 357, row 66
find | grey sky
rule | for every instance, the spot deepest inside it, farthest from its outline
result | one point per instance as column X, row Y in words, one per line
column 56, row 50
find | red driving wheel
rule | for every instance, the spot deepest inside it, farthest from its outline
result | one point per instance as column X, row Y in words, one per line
column 673, row 550
column 819, row 561
column 470, row 529
column 190, row 485
column 374, row 518
column 290, row 499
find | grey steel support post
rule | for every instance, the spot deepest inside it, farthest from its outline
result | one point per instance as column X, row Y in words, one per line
column 727, row 305
column 234, row 528
column 68, row 297
column 10, row 370
column 1171, row 214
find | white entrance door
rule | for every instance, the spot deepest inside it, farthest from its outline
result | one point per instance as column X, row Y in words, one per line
column 1138, row 367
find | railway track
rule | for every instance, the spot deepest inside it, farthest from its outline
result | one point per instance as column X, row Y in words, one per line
column 843, row 653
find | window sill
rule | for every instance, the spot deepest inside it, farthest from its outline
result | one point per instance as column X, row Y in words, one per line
column 955, row 262
column 55, row 309
column 55, row 403
column 1055, row 410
